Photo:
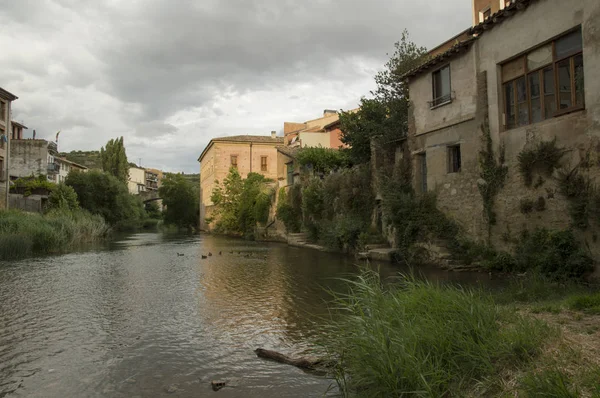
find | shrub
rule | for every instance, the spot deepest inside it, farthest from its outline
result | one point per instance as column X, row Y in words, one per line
column 322, row 160
column 103, row 194
column 556, row 254
column 424, row 339
column 26, row 185
column 63, row 197
column 181, row 201
column 545, row 157
column 290, row 215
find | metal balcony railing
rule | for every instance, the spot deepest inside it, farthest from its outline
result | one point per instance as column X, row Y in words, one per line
column 53, row 168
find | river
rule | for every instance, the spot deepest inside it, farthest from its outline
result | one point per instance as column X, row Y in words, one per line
column 147, row 316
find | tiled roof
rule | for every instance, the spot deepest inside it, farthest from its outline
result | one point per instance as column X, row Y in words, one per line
column 288, row 150
column 7, row 95
column 19, row 125
column 475, row 32
column 459, row 47
column 251, row 138
column 254, row 139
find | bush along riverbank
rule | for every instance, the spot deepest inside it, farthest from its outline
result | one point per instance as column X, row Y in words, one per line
column 25, row 234
column 421, row 339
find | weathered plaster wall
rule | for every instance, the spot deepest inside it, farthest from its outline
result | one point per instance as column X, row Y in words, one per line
column 29, row 157
column 315, row 140
column 462, row 107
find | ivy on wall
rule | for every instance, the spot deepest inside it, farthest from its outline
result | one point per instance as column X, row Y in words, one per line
column 493, row 173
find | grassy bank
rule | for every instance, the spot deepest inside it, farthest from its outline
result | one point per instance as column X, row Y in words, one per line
column 420, row 339
column 24, row 234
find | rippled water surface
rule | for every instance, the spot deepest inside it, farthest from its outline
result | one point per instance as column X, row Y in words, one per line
column 138, row 320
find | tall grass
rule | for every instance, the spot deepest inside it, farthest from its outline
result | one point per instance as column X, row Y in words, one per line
column 421, row 339
column 24, row 234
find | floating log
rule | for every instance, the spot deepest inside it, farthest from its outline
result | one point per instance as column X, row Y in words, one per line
column 303, row 363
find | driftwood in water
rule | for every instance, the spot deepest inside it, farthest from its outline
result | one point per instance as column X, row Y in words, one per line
column 304, row 363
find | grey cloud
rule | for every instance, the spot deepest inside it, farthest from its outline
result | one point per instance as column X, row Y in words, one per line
column 154, row 129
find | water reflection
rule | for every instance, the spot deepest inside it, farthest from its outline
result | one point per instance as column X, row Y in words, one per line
column 137, row 319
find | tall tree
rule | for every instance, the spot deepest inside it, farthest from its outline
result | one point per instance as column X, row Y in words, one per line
column 114, row 159
column 385, row 116
column 181, row 200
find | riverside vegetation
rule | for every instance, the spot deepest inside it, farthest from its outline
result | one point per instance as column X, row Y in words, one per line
column 87, row 207
column 415, row 338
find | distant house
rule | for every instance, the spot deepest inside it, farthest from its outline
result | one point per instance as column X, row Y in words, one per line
column 6, row 100
column 65, row 167
column 137, row 180
column 34, row 158
column 322, row 132
column 247, row 153
column 153, row 179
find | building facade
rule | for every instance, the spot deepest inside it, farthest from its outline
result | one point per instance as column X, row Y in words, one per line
column 137, row 180
column 6, row 100
column 64, row 168
column 247, row 153
column 33, row 158
column 526, row 74
column 322, row 132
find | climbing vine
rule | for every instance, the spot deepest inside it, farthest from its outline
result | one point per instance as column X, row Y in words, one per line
column 493, row 173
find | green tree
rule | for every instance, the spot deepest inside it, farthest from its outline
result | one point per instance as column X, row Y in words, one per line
column 385, row 116
column 181, row 200
column 63, row 197
column 114, row 159
column 101, row 193
column 153, row 210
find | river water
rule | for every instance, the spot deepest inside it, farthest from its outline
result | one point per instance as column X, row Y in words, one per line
column 147, row 316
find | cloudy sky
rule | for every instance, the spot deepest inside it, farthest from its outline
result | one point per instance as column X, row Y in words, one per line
column 169, row 75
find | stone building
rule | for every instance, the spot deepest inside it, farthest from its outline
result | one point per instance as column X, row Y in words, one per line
column 6, row 100
column 519, row 74
column 321, row 132
column 247, row 153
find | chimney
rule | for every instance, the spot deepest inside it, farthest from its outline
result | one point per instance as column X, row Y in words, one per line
column 273, row 134
column 329, row 112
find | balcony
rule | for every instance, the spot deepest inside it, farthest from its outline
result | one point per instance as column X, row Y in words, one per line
column 53, row 168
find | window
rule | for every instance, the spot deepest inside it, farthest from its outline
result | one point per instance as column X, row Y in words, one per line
column 2, row 110
column 234, row 161
column 454, row 159
column 441, row 86
column 545, row 82
column 290, row 172
column 263, row 163
column 2, row 169
column 3, row 138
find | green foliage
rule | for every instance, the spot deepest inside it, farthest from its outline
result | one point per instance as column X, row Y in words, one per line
column 241, row 204
column 493, row 173
column 27, row 185
column 585, row 302
column 583, row 197
column 89, row 159
column 421, row 339
column 548, row 383
column 63, row 197
column 544, row 157
column 153, row 210
column 385, row 116
column 289, row 208
column 103, row 194
column 114, row 159
column 181, row 200
column 555, row 254
column 25, row 234
column 322, row 160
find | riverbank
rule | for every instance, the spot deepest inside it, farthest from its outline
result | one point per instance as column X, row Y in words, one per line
column 24, row 234
column 531, row 339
